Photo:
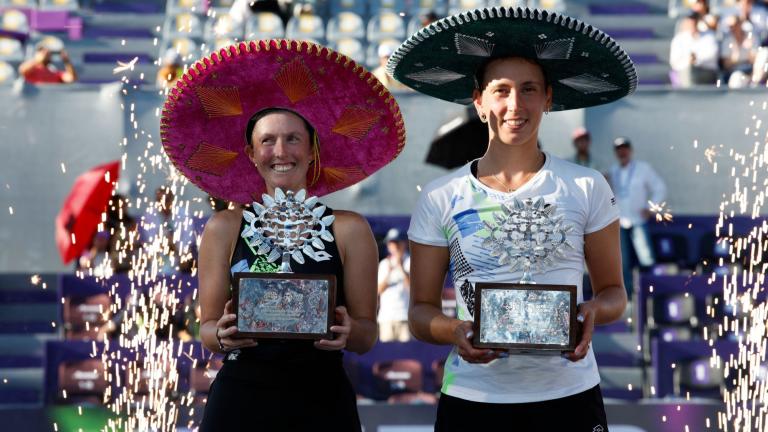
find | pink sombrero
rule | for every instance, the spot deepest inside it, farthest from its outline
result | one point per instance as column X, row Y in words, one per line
column 203, row 124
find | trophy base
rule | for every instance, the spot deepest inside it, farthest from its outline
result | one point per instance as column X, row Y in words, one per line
column 526, row 318
column 284, row 305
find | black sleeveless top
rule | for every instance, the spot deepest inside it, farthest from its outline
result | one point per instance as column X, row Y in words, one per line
column 244, row 258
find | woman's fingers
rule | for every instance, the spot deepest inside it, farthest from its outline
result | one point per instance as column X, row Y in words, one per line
column 226, row 332
column 225, row 320
column 587, row 318
column 342, row 331
column 468, row 352
column 331, row 345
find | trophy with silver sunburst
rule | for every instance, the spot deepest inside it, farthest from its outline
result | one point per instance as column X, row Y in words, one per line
column 292, row 228
column 529, row 237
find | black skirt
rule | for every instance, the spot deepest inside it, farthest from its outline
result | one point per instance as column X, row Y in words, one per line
column 296, row 394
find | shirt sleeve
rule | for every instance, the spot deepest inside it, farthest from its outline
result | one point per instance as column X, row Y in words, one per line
column 656, row 186
column 602, row 206
column 426, row 227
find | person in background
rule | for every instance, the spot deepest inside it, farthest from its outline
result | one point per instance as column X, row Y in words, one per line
column 241, row 10
column 385, row 50
column 428, row 18
column 701, row 11
column 394, row 289
column 738, row 51
column 174, row 231
column 693, row 55
column 170, row 70
column 41, row 70
column 95, row 260
column 635, row 183
column 581, row 142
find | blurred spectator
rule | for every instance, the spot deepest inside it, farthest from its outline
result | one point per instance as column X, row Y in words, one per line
column 737, row 53
column 694, row 55
column 760, row 68
column 635, row 183
column 394, row 289
column 581, row 142
column 171, row 69
column 166, row 227
column 704, row 18
column 41, row 70
column 186, row 320
column 241, row 10
column 386, row 50
column 428, row 18
column 123, row 234
column 95, row 260
column 753, row 15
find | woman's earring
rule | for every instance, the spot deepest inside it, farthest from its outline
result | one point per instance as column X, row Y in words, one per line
column 483, row 118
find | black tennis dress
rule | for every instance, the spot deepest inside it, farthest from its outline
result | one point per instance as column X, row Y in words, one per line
column 283, row 385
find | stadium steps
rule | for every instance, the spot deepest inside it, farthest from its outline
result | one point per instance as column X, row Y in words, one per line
column 658, row 25
column 27, row 310
column 621, row 366
column 103, row 72
column 21, row 386
column 658, row 47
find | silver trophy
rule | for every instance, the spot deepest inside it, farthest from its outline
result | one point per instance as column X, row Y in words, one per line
column 288, row 226
column 527, row 236
column 285, row 305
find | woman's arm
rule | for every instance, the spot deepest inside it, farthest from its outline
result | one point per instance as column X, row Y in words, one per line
column 425, row 313
column 358, row 331
column 216, row 247
column 602, row 252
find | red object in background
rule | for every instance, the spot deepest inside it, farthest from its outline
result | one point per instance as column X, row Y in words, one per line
column 80, row 215
column 41, row 74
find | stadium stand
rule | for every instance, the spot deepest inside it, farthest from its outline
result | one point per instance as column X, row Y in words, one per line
column 306, row 27
column 264, row 25
column 345, row 25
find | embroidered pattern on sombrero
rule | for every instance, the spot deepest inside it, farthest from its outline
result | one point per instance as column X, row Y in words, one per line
column 203, row 121
column 552, row 39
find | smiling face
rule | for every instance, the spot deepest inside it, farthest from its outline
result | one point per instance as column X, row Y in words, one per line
column 281, row 150
column 513, row 99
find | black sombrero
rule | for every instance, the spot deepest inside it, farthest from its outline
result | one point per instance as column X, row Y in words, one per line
column 585, row 66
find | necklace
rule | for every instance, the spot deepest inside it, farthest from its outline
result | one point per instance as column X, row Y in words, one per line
column 498, row 180
column 525, row 179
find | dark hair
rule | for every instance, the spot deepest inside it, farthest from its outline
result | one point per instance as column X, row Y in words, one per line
column 265, row 112
column 480, row 71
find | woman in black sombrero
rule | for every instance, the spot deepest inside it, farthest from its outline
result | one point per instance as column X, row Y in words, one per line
column 514, row 65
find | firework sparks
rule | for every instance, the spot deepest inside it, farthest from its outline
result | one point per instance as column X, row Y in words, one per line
column 661, row 211
column 122, row 67
column 746, row 312
column 141, row 363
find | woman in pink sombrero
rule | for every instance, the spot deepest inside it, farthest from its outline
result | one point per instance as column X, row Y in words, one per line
column 268, row 117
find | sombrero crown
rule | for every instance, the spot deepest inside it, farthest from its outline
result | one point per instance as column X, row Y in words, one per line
column 357, row 121
column 585, row 66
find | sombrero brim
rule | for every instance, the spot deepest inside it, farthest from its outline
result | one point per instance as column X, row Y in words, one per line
column 358, row 122
column 585, row 66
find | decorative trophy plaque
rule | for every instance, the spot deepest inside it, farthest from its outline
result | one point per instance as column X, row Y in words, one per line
column 286, row 304
column 526, row 317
